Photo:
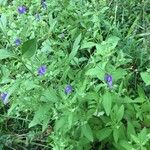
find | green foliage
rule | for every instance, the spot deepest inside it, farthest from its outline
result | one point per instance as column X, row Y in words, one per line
column 4, row 53
column 79, row 43
column 29, row 48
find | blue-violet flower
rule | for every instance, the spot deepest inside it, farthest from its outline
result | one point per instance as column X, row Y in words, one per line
column 109, row 79
column 68, row 89
column 22, row 9
column 17, row 42
column 4, row 97
column 42, row 70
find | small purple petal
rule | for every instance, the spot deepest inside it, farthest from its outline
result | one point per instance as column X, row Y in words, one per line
column 42, row 70
column 17, row 42
column 108, row 79
column 4, row 97
column 68, row 89
column 22, row 9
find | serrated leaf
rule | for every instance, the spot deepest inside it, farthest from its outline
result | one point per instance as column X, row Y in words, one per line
column 4, row 53
column 107, row 102
column 29, row 48
column 75, row 47
column 146, row 77
column 103, row 133
column 87, row 132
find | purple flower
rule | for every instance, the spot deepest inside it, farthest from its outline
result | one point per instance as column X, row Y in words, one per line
column 42, row 70
column 68, row 89
column 43, row 3
column 17, row 42
column 4, row 97
column 108, row 79
column 22, row 9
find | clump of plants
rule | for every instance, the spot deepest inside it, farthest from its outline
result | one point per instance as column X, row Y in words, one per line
column 75, row 75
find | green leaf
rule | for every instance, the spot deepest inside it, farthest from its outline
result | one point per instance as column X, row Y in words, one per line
column 45, row 123
column 135, row 139
column 49, row 95
column 3, row 22
column 4, row 53
column 143, row 135
column 40, row 115
column 141, row 92
column 130, row 130
column 119, row 74
column 107, row 46
column 46, row 46
column 70, row 119
column 86, row 45
column 87, row 132
column 116, row 134
column 126, row 145
column 146, row 77
column 60, row 123
column 52, row 22
column 103, row 133
column 120, row 113
column 98, row 71
column 75, row 47
column 29, row 48
column 107, row 102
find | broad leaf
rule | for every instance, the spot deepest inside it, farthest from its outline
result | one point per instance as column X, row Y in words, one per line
column 107, row 46
column 29, row 48
column 103, row 133
column 4, row 53
column 116, row 134
column 107, row 102
column 60, row 123
column 130, row 130
column 49, row 95
column 87, row 132
column 40, row 115
column 120, row 113
column 126, row 145
column 146, row 77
